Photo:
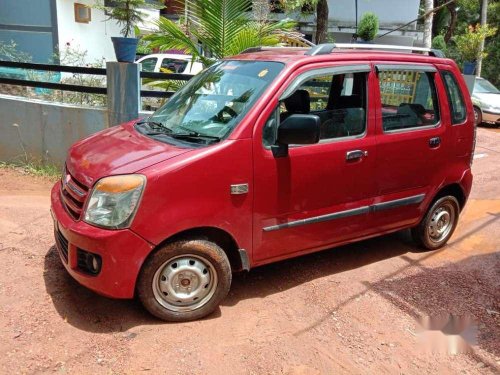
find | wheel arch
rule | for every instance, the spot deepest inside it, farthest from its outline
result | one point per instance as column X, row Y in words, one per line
column 237, row 257
column 453, row 189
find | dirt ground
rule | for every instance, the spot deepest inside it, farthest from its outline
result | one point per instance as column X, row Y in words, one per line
column 353, row 309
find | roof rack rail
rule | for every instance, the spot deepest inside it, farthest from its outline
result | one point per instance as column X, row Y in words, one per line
column 327, row 48
column 321, row 49
column 270, row 48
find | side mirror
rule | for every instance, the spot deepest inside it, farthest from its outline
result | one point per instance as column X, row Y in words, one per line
column 296, row 129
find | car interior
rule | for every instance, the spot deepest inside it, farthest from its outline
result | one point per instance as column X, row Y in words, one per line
column 338, row 100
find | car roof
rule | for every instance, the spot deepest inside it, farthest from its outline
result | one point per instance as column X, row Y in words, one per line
column 289, row 55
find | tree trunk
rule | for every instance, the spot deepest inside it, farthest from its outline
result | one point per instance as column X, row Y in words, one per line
column 453, row 22
column 429, row 5
column 484, row 16
column 321, row 21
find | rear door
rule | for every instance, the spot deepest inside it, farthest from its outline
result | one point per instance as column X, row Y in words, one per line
column 316, row 196
column 411, row 142
column 460, row 113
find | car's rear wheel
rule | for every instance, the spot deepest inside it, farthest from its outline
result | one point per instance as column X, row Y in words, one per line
column 184, row 280
column 438, row 224
column 478, row 116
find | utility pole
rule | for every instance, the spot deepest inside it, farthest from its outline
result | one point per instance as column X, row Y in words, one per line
column 484, row 15
column 429, row 16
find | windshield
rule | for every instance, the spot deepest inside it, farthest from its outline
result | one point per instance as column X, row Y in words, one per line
column 212, row 103
column 484, row 86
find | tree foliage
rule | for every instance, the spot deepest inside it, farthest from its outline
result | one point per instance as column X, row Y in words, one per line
column 469, row 42
column 452, row 23
column 368, row 26
column 128, row 13
column 222, row 27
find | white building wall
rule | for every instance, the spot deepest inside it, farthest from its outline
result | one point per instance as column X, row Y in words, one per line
column 95, row 36
column 389, row 12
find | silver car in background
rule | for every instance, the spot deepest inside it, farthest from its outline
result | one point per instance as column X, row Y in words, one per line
column 486, row 100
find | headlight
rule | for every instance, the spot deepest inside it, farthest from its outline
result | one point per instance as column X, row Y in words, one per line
column 114, row 201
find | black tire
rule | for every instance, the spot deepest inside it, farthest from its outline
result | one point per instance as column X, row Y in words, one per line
column 426, row 234
column 478, row 116
column 191, row 259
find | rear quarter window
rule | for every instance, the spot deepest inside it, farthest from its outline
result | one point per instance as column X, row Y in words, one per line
column 456, row 102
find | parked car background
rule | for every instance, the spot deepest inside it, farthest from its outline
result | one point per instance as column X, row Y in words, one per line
column 486, row 100
column 170, row 63
column 165, row 63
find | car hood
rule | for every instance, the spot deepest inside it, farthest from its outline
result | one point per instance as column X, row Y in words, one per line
column 490, row 99
column 117, row 150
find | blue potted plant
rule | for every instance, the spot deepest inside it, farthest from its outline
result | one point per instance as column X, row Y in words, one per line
column 469, row 45
column 127, row 13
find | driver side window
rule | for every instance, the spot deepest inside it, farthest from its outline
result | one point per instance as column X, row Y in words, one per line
column 339, row 100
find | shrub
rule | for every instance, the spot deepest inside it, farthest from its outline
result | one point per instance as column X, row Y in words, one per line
column 368, row 26
column 469, row 43
column 438, row 42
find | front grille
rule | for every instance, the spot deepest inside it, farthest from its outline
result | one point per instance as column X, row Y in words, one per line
column 73, row 195
column 62, row 244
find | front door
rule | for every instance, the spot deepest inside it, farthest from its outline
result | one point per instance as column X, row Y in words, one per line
column 320, row 194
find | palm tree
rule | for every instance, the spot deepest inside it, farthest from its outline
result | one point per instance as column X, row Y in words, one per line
column 222, row 27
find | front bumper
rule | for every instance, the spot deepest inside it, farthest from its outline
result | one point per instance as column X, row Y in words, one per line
column 122, row 252
column 491, row 117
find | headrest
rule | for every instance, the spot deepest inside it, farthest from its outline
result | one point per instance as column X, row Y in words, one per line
column 298, row 102
column 349, row 101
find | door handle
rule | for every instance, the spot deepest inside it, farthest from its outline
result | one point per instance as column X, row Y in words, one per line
column 434, row 142
column 355, row 155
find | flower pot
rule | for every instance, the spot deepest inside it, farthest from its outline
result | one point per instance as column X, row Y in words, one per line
column 125, row 48
column 469, row 67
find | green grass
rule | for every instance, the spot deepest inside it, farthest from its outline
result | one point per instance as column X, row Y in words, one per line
column 35, row 169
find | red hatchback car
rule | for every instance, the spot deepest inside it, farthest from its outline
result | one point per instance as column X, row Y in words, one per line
column 267, row 155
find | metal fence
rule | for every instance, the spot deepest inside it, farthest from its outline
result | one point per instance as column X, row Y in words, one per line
column 6, row 78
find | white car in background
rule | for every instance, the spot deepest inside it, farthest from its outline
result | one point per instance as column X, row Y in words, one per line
column 170, row 63
column 486, row 100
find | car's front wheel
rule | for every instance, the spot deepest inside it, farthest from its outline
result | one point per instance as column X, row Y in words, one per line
column 184, row 280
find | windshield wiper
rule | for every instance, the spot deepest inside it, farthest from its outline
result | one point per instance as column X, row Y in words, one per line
column 194, row 135
column 156, row 127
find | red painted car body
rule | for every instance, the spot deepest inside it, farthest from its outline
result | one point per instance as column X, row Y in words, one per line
column 188, row 190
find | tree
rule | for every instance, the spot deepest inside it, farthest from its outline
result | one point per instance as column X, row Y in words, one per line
column 453, row 22
column 222, row 27
column 429, row 16
column 368, row 26
column 128, row 13
column 484, row 15
column 322, row 12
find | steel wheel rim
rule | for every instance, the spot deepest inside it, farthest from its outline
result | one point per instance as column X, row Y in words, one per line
column 184, row 283
column 441, row 222
column 476, row 116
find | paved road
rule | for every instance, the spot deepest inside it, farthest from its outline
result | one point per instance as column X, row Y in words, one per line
column 353, row 309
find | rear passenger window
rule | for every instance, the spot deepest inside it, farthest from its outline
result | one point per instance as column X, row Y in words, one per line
column 455, row 98
column 339, row 100
column 408, row 98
